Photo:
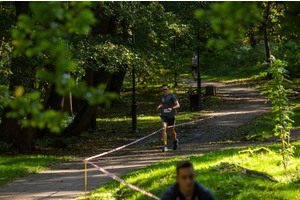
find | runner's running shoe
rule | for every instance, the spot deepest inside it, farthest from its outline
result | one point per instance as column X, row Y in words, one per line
column 175, row 144
column 164, row 149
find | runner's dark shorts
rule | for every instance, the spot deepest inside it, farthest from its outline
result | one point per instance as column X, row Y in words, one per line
column 171, row 121
column 194, row 68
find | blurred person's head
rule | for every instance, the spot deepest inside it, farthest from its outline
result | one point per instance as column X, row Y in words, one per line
column 165, row 89
column 185, row 175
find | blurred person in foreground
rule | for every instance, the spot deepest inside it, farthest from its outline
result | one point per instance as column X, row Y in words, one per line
column 186, row 188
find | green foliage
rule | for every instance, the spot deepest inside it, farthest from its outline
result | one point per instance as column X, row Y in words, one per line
column 228, row 174
column 230, row 19
column 289, row 52
column 28, row 105
column 3, row 146
column 236, row 61
column 42, row 36
column 290, row 21
column 281, row 106
column 243, row 61
column 7, row 20
column 3, row 93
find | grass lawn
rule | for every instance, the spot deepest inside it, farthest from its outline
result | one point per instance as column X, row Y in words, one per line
column 16, row 167
column 226, row 173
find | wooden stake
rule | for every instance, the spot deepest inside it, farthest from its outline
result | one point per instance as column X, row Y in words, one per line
column 235, row 124
column 85, row 172
column 164, row 154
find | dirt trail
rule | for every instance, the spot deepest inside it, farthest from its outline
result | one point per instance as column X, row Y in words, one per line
column 67, row 180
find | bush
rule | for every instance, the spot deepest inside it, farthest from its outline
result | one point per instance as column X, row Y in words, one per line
column 243, row 61
column 3, row 146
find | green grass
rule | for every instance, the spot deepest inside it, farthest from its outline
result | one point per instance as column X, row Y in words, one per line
column 15, row 167
column 224, row 182
column 117, row 118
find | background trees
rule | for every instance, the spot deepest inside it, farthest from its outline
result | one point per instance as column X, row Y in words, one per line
column 60, row 60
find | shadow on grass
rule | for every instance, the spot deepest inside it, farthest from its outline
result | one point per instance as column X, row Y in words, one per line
column 225, row 182
column 20, row 166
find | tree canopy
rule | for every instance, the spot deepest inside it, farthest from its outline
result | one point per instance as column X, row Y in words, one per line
column 61, row 58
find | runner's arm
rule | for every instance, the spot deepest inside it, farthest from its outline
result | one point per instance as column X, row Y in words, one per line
column 177, row 105
column 158, row 107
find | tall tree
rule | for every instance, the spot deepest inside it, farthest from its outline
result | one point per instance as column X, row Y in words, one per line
column 9, row 127
column 42, row 36
column 266, row 38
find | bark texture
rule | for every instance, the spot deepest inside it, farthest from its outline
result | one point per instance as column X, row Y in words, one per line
column 84, row 117
column 9, row 127
column 252, row 37
column 116, row 81
column 266, row 39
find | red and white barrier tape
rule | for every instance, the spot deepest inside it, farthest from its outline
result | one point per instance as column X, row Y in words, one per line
column 113, row 150
column 122, row 181
column 190, row 122
column 126, row 145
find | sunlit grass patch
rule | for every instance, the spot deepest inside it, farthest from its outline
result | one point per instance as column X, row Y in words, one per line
column 233, row 182
column 15, row 167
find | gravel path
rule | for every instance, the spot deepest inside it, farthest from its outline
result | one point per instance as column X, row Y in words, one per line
column 67, row 180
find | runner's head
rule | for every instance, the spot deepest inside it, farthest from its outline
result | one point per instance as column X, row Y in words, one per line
column 185, row 175
column 165, row 88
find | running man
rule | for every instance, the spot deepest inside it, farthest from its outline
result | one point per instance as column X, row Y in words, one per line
column 169, row 103
column 194, row 64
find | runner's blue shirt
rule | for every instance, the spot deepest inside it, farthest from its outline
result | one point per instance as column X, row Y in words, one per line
column 168, row 102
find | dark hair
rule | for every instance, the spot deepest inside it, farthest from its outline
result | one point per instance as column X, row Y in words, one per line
column 183, row 164
column 165, row 85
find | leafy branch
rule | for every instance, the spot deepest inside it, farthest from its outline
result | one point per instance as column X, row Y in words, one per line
column 281, row 106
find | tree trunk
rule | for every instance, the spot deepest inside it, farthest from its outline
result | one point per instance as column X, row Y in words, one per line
column 9, row 126
column 266, row 39
column 81, row 120
column 86, row 115
column 116, row 81
column 23, row 142
column 1, row 47
column 67, row 107
column 252, row 37
column 89, row 80
column 75, row 100
column 55, row 101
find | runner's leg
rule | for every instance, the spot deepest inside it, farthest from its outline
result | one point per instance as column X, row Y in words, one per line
column 172, row 130
column 171, row 122
column 194, row 73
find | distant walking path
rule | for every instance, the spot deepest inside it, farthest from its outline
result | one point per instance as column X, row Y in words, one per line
column 67, row 180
